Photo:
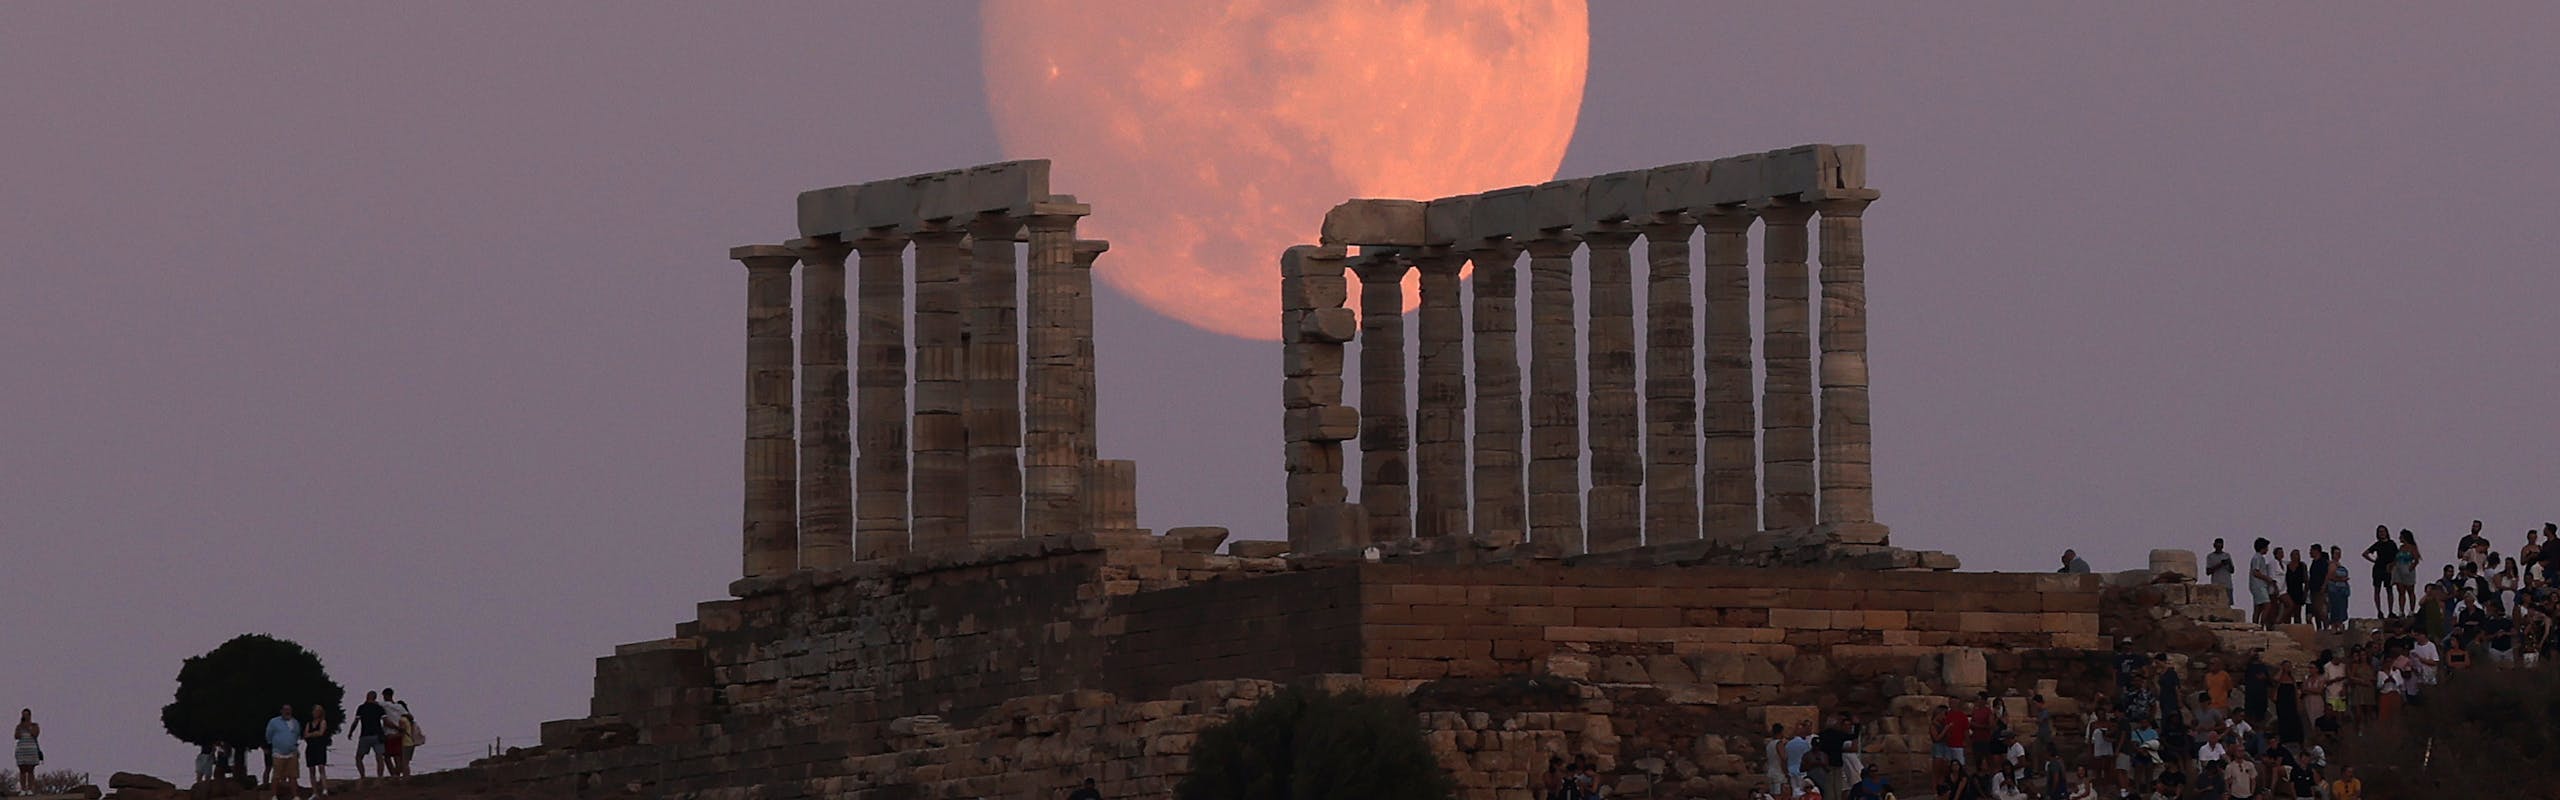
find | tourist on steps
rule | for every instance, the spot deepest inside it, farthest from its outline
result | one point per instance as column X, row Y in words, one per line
column 315, row 746
column 368, row 735
column 2262, row 585
column 284, row 741
column 2340, row 580
column 2384, row 555
column 2404, row 572
column 29, row 752
column 2217, row 566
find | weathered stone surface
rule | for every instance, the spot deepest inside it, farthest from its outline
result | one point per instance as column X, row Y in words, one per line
column 1256, row 548
column 1054, row 478
column 1197, row 538
column 1671, row 502
column 1440, row 448
column 1555, row 399
column 826, row 408
column 1395, row 223
column 1730, row 447
column 991, row 408
column 939, row 481
column 880, row 400
column 1501, row 500
column 1386, row 437
column 1615, row 428
column 771, row 519
column 1848, row 482
column 1786, row 400
column 135, row 780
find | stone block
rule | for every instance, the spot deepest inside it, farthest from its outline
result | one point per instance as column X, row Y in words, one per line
column 941, row 196
column 1503, row 212
column 1617, row 197
column 825, row 211
column 1010, row 187
column 1321, row 424
column 1963, row 670
column 1675, row 188
column 883, row 204
column 1329, row 326
column 1794, row 171
column 1197, row 538
column 1808, row 717
column 1393, row 223
column 2174, row 562
column 1559, row 204
column 1735, row 180
column 1449, row 220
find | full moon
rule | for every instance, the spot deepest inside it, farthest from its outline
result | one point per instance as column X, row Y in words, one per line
column 1210, row 136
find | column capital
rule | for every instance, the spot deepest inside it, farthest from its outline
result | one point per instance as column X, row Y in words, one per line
column 1058, row 213
column 990, row 227
column 1784, row 211
column 1386, row 267
column 821, row 250
column 1610, row 235
column 1847, row 206
column 765, row 256
column 939, row 235
column 884, row 245
column 1438, row 260
column 1558, row 243
column 1728, row 219
column 1665, row 227
column 1489, row 250
column 1086, row 250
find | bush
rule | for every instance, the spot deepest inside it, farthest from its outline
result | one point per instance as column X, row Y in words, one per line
column 60, row 781
column 226, row 696
column 2487, row 733
column 1316, row 745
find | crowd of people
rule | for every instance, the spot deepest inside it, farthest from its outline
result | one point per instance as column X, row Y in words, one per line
column 384, row 729
column 2314, row 585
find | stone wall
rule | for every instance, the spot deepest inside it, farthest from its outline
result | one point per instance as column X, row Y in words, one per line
column 1016, row 669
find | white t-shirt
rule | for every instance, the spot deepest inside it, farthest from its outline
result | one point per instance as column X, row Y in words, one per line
column 2261, row 565
column 2426, row 655
column 2211, row 751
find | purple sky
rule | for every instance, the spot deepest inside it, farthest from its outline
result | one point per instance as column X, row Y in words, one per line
column 404, row 330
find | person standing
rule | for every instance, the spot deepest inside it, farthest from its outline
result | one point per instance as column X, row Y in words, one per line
column 2297, row 587
column 1779, row 786
column 2384, row 555
column 2404, row 571
column 368, row 735
column 2262, row 585
column 2340, row 579
column 30, row 751
column 284, row 742
column 315, row 747
column 2240, row 778
column 401, row 736
column 1798, row 746
column 2217, row 565
column 2073, row 564
column 2315, row 587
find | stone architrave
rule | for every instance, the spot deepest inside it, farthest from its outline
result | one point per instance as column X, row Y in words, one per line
column 1501, row 503
column 1847, row 510
column 992, row 401
column 1052, row 474
column 1786, row 399
column 1670, row 384
column 1440, row 396
column 1386, row 470
column 1615, row 428
column 880, row 526
column 1730, row 435
column 939, row 487
column 826, row 409
column 770, row 523
column 1086, row 437
column 1555, row 397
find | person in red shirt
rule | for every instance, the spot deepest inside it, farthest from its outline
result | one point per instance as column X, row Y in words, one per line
column 1985, row 726
column 1954, row 732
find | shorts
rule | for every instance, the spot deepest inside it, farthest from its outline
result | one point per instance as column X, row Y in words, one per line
column 2257, row 593
column 391, row 745
column 367, row 745
column 2382, row 574
column 1943, row 752
column 287, row 768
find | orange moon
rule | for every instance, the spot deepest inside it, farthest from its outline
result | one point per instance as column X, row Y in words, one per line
column 1210, row 136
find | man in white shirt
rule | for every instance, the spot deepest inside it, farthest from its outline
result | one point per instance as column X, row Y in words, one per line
column 2240, row 779
column 2263, row 575
column 2426, row 654
column 2218, row 566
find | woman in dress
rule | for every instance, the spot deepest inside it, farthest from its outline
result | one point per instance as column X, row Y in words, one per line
column 2339, row 579
column 2404, row 572
column 30, row 753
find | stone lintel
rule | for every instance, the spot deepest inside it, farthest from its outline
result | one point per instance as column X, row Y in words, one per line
column 1806, row 173
column 1393, row 223
column 1012, row 188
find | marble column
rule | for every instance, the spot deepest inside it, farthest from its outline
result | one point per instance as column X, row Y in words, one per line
column 992, row 402
column 880, row 526
column 1386, row 435
column 939, row 480
column 771, row 521
column 1731, row 434
column 1670, row 384
column 1615, row 430
column 1786, row 393
column 1440, row 397
column 1052, row 476
column 1501, row 504
column 1086, row 438
column 826, row 424
column 1314, row 324
column 1555, row 396
column 1847, row 510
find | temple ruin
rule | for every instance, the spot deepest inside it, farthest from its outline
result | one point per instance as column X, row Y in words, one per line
column 945, row 593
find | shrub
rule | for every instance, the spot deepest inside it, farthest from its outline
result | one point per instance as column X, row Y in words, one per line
column 1317, row 745
column 60, row 781
column 226, row 696
column 2488, row 733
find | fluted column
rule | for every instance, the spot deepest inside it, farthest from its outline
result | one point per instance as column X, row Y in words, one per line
column 1086, row 437
column 1313, row 326
column 1386, row 470
column 826, row 432
column 1848, row 510
column 1731, row 434
column 1786, row 398
column 939, row 487
column 1615, row 434
column 1052, row 476
column 880, row 399
column 992, row 405
column 1555, row 396
column 1501, row 505
column 770, row 524
column 1670, row 385
column 1440, row 394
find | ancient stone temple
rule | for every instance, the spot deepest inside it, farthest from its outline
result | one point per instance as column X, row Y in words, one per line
column 1795, row 466
column 1646, row 552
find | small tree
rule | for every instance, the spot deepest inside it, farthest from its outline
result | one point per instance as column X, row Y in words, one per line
column 1317, row 745
column 226, row 696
